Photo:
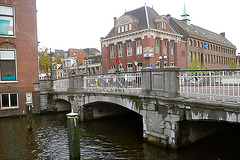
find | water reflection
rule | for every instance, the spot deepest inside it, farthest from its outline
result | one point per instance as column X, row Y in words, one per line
column 116, row 138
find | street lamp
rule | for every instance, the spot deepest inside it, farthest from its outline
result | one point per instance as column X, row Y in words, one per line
column 163, row 58
column 51, row 67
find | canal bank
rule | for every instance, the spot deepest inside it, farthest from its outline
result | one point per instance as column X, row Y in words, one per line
column 111, row 138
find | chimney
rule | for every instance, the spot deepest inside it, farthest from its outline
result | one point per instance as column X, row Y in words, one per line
column 222, row 34
column 115, row 20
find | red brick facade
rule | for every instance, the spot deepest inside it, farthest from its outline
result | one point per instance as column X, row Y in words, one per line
column 24, row 44
column 148, row 32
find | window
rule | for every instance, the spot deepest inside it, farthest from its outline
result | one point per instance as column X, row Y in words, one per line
column 157, row 50
column 129, row 48
column 130, row 27
column 164, row 25
column 119, row 29
column 129, row 67
column 126, row 28
column 112, row 53
column 122, row 28
column 6, row 21
column 9, row 100
column 138, row 47
column 7, row 65
column 157, row 64
column 164, row 64
column 139, row 66
column 120, row 68
column 165, row 47
column 172, row 48
column 172, row 63
column 120, row 50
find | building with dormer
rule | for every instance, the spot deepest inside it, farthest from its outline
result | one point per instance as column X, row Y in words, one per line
column 142, row 38
column 212, row 50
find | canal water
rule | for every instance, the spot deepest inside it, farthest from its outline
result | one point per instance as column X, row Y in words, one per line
column 115, row 138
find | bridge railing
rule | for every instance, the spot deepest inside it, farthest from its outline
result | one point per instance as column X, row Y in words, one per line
column 129, row 82
column 61, row 85
column 211, row 84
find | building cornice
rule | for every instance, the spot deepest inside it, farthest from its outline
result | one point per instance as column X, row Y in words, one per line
column 131, row 34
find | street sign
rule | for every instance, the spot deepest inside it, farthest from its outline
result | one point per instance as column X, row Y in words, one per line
column 150, row 65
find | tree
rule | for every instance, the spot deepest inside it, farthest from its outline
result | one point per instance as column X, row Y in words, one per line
column 233, row 64
column 195, row 64
column 44, row 61
column 58, row 59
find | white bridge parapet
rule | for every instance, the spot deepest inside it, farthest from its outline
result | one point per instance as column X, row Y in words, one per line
column 210, row 84
column 129, row 82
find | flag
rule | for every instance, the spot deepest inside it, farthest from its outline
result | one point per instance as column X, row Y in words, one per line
column 117, row 60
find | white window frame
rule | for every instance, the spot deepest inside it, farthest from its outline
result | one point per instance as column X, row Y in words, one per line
column 112, row 52
column 120, row 50
column 164, row 25
column 120, row 67
column 119, row 29
column 129, row 48
column 122, row 28
column 9, row 99
column 157, row 49
column 8, row 16
column 138, row 47
column 130, row 27
column 165, row 45
column 126, row 27
column 14, row 58
column 139, row 67
column 129, row 67
column 172, row 48
column 157, row 64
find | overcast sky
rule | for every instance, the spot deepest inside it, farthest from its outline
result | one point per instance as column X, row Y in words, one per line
column 64, row 24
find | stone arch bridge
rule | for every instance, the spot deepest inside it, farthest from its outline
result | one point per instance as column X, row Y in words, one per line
column 170, row 117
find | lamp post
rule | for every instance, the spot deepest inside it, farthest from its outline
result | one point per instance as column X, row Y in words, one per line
column 163, row 58
column 51, row 67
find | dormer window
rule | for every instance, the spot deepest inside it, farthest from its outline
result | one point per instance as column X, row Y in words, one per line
column 164, row 25
column 119, row 29
column 126, row 27
column 130, row 27
column 125, row 24
column 122, row 28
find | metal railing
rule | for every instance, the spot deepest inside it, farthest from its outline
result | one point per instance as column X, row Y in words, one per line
column 211, row 84
column 129, row 82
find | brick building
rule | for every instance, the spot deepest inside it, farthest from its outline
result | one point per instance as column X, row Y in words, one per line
column 142, row 38
column 212, row 50
column 18, row 56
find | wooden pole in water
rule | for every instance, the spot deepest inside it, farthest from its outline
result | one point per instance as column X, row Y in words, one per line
column 73, row 136
column 29, row 116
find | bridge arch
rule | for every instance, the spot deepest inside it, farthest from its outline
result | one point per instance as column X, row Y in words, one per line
column 131, row 103
column 102, row 109
column 62, row 105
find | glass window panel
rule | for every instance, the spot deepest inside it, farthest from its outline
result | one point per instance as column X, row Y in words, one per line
column 8, row 70
column 5, row 10
column 5, row 100
column 6, row 25
column 13, row 99
column 7, row 55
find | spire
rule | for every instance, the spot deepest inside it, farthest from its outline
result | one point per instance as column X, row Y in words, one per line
column 184, row 9
column 185, row 15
